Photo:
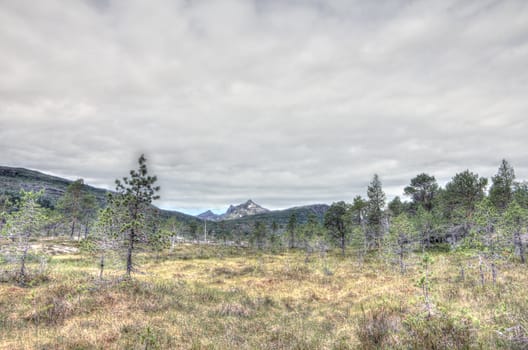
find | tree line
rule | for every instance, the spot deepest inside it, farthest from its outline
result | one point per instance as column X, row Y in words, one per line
column 462, row 215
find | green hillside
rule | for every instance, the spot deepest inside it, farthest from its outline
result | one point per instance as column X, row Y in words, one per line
column 12, row 180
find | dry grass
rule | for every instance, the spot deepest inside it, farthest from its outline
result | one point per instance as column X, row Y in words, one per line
column 225, row 298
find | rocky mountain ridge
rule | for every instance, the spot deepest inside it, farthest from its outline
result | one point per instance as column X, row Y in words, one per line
column 235, row 212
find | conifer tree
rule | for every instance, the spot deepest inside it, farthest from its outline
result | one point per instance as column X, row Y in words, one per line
column 513, row 224
column 422, row 190
column 401, row 238
column 335, row 221
column 484, row 237
column 291, row 228
column 375, row 215
column 22, row 225
column 135, row 193
column 259, row 234
column 501, row 190
column 70, row 204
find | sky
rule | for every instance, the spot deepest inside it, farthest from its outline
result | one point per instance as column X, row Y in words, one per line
column 287, row 102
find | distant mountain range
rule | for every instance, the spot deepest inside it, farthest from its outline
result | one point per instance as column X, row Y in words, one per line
column 279, row 217
column 240, row 217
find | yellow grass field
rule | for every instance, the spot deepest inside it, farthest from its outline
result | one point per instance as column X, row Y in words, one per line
column 209, row 297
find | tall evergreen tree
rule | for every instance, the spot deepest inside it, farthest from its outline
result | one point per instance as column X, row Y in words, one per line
column 259, row 234
column 396, row 206
column 514, row 225
column 135, row 193
column 358, row 211
column 462, row 193
column 520, row 193
column 335, row 220
column 70, row 204
column 311, row 233
column 501, row 190
column 291, row 228
column 375, row 215
column 422, row 190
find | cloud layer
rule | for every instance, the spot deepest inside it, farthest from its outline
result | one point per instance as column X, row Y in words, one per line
column 285, row 102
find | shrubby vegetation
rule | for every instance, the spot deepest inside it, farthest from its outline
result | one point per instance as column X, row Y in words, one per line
column 443, row 245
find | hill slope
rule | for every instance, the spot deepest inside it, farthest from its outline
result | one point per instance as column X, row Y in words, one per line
column 12, row 180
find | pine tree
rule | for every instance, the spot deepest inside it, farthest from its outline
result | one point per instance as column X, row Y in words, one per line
column 513, row 224
column 501, row 190
column 396, row 206
column 106, row 233
column 375, row 215
column 520, row 193
column 70, row 204
column 484, row 238
column 462, row 193
column 311, row 234
column 259, row 234
column 22, row 225
column 422, row 190
column 135, row 193
column 335, row 221
column 291, row 228
column 401, row 238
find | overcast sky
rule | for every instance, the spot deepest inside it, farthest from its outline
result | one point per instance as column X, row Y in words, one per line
column 284, row 102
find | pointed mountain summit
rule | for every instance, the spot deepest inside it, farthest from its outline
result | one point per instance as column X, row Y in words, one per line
column 235, row 212
column 208, row 215
column 244, row 209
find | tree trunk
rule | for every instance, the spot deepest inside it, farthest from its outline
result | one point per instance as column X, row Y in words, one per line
column 426, row 292
column 343, row 246
column 101, row 265
column 23, row 264
column 72, row 229
column 493, row 272
column 402, row 265
column 519, row 243
column 172, row 243
column 129, row 252
column 481, row 270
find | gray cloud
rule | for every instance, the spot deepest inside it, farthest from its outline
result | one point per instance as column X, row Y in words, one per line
column 286, row 102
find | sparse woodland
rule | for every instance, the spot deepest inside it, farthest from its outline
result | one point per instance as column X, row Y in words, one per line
column 438, row 268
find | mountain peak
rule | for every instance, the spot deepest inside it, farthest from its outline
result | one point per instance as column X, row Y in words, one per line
column 233, row 212
column 247, row 208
